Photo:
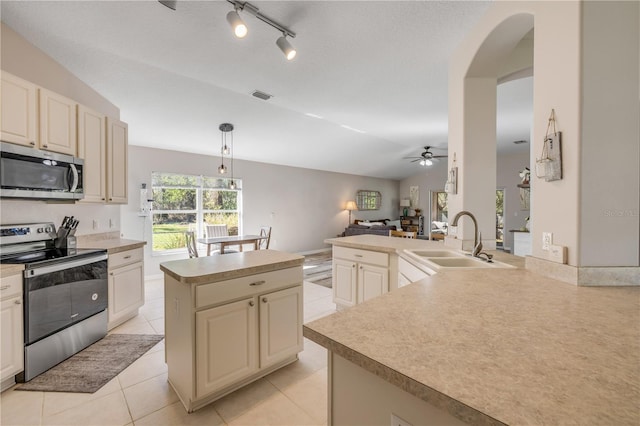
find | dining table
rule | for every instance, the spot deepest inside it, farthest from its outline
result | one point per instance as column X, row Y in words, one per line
column 231, row 240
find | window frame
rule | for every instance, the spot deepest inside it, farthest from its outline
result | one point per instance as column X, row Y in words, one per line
column 199, row 211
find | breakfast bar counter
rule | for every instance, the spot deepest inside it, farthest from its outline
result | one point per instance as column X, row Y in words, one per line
column 486, row 346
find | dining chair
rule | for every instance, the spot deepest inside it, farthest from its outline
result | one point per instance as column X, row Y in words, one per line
column 265, row 231
column 190, row 238
column 403, row 234
column 218, row 230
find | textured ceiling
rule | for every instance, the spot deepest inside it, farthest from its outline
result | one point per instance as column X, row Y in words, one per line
column 379, row 67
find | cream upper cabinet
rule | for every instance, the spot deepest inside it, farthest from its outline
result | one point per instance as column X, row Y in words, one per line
column 57, row 123
column 19, row 110
column 117, row 161
column 92, row 147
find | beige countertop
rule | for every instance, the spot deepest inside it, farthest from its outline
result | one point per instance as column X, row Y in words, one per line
column 112, row 245
column 497, row 346
column 209, row 269
column 8, row 270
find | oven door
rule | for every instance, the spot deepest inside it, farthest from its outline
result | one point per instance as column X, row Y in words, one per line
column 59, row 295
column 31, row 173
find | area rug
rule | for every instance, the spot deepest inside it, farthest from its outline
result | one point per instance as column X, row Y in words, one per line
column 317, row 268
column 93, row 367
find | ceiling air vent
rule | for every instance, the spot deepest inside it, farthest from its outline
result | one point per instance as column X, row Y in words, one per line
column 519, row 142
column 261, row 95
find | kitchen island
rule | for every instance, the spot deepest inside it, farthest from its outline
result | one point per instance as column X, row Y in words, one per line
column 230, row 320
column 485, row 346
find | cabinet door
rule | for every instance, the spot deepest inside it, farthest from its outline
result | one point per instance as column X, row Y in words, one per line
column 12, row 350
column 19, row 111
column 226, row 345
column 92, row 147
column 57, row 123
column 372, row 282
column 117, row 156
column 280, row 325
column 344, row 282
column 126, row 291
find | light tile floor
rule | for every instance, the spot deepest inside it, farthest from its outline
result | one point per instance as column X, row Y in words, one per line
column 141, row 395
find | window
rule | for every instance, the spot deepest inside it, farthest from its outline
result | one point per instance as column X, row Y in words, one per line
column 186, row 202
column 368, row 200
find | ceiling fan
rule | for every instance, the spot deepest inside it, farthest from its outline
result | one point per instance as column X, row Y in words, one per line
column 426, row 158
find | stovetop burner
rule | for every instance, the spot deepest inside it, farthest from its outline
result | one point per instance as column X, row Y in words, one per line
column 45, row 255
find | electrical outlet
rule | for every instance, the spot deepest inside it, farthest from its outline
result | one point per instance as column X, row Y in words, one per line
column 397, row 421
column 547, row 239
column 558, row 254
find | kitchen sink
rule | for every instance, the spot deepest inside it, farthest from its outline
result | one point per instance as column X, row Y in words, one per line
column 435, row 253
column 451, row 259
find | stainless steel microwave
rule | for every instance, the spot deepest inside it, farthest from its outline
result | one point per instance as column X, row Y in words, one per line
column 31, row 173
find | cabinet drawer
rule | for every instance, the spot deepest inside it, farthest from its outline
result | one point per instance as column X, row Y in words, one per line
column 225, row 291
column 10, row 286
column 365, row 256
column 125, row 258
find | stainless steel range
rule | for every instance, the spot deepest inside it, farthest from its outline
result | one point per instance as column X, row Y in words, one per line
column 65, row 294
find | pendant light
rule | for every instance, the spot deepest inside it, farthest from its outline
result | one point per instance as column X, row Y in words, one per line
column 226, row 148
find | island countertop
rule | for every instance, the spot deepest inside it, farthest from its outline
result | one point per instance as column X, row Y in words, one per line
column 495, row 346
column 208, row 269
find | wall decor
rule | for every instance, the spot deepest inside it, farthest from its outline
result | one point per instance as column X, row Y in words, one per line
column 368, row 200
column 549, row 165
column 414, row 195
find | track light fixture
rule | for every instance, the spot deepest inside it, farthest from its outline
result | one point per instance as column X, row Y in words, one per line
column 239, row 26
column 286, row 47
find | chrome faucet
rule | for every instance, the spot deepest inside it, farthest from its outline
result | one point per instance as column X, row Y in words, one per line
column 475, row 229
column 477, row 236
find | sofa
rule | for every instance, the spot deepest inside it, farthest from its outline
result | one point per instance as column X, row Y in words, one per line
column 377, row 227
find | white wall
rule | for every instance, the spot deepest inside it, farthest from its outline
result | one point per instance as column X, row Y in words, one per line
column 594, row 102
column 427, row 179
column 610, row 143
column 303, row 207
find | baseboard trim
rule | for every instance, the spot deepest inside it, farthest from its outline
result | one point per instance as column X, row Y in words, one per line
column 614, row 276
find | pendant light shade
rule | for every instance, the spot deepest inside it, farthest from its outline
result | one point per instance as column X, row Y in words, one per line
column 238, row 25
column 222, row 169
column 286, row 47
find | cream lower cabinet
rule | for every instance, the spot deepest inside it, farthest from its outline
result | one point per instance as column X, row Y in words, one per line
column 221, row 336
column 11, row 329
column 125, row 285
column 358, row 275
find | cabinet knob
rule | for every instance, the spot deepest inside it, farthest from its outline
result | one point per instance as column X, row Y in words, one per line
column 264, row 300
column 360, row 266
column 32, row 143
column 251, row 303
column 103, row 199
column 45, row 146
column 17, row 302
column 353, row 266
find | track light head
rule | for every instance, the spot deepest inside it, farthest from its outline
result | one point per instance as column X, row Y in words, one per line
column 286, row 47
column 238, row 25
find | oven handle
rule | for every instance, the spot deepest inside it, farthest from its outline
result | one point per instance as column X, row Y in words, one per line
column 62, row 266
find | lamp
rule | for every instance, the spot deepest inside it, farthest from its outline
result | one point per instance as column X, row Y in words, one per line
column 236, row 22
column 240, row 29
column 426, row 162
column 351, row 205
column 405, row 204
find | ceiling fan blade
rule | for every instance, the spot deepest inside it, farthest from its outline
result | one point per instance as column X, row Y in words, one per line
column 439, row 156
column 417, row 159
column 171, row 4
column 410, row 158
